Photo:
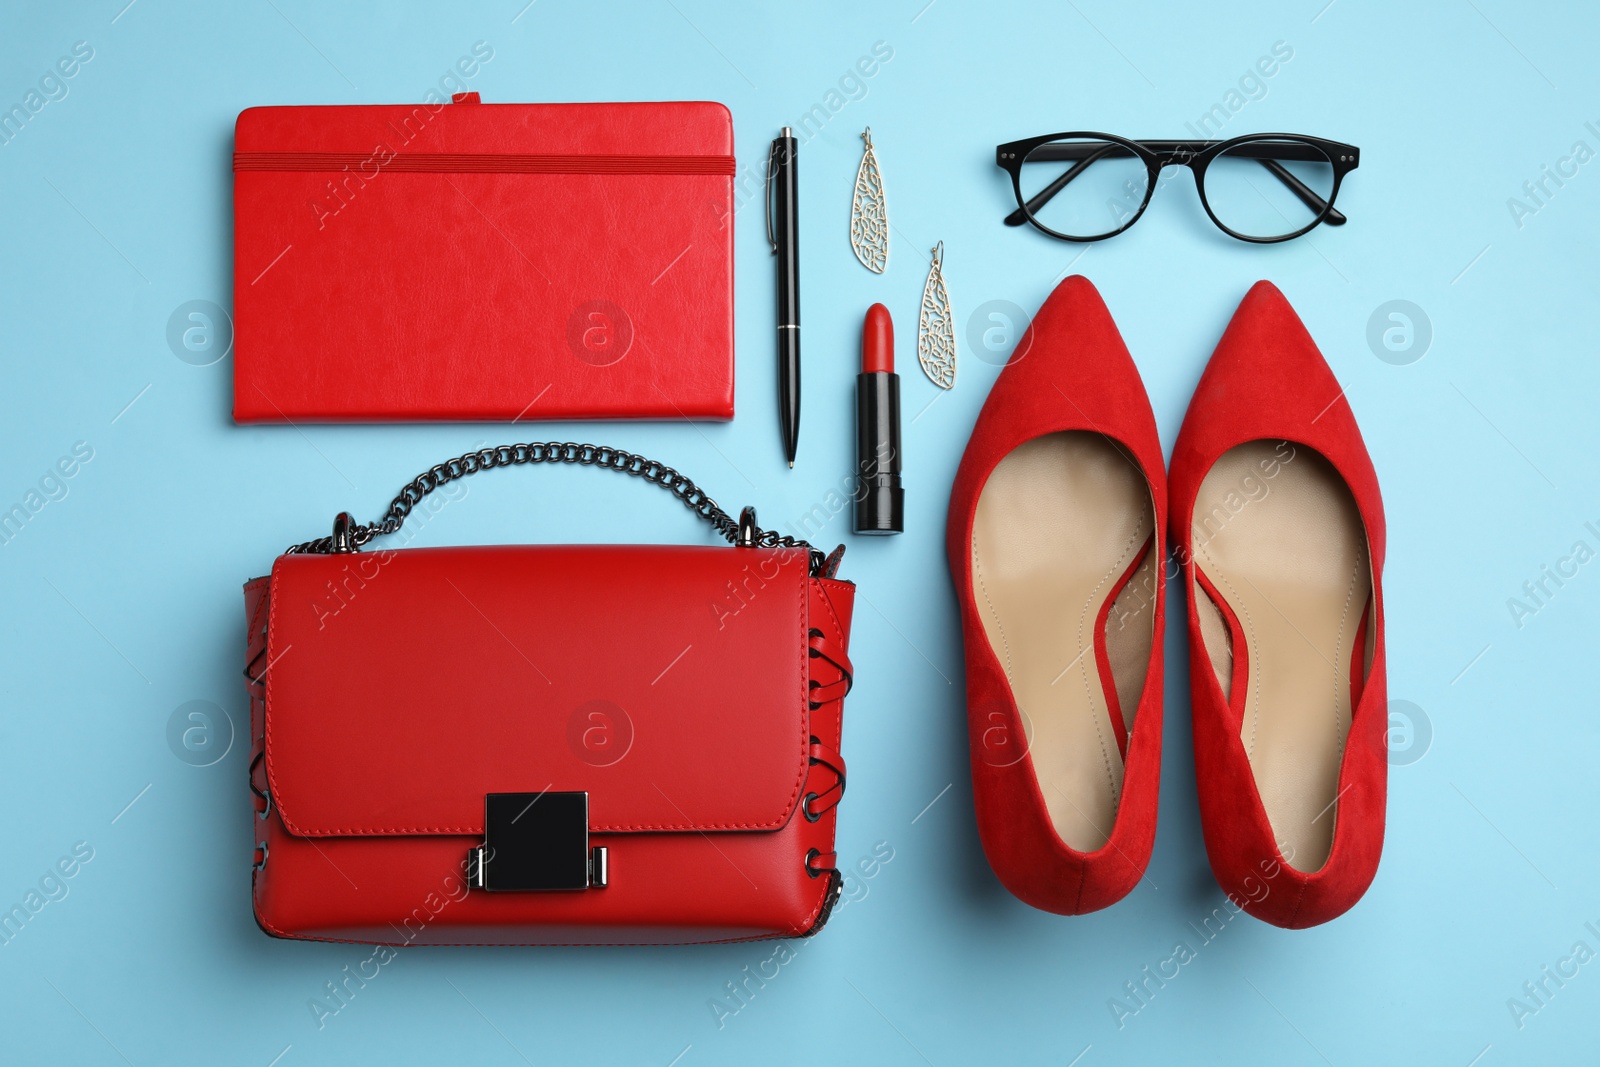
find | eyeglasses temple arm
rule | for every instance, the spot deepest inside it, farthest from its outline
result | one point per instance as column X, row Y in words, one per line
column 1043, row 196
column 1307, row 195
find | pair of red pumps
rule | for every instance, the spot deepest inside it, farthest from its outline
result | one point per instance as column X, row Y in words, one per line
column 1057, row 543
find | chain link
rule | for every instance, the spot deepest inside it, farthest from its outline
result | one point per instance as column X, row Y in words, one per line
column 691, row 495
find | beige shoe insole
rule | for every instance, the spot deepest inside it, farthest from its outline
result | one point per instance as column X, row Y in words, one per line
column 1278, row 536
column 1059, row 523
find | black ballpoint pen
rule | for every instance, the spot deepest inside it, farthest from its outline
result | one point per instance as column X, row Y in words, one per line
column 783, row 232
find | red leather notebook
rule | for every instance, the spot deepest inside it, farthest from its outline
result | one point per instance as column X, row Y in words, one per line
column 483, row 261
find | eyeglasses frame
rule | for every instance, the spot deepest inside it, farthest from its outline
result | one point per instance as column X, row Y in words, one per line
column 1157, row 155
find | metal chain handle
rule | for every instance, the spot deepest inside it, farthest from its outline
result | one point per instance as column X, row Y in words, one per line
column 692, row 496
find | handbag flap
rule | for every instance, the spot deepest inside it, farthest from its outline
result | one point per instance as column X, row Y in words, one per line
column 668, row 682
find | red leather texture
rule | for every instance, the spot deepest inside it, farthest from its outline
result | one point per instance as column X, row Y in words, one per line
column 679, row 687
column 484, row 262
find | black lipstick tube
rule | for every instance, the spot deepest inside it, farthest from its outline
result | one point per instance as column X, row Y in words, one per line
column 880, row 501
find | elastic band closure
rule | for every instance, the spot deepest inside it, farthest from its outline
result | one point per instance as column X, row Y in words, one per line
column 370, row 163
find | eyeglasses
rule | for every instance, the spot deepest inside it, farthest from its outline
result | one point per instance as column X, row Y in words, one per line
column 1262, row 188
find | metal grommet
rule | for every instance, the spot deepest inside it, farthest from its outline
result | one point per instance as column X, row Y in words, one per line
column 805, row 807
column 267, row 810
column 261, row 847
column 811, row 854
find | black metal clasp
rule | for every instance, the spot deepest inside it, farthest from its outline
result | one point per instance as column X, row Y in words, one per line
column 344, row 533
column 748, row 530
column 536, row 841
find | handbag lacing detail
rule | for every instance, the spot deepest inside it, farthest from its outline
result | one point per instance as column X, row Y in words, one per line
column 825, row 648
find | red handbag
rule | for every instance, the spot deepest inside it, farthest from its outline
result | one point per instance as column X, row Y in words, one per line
column 543, row 744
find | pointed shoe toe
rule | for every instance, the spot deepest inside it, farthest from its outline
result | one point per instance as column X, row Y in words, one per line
column 1056, row 538
column 1280, row 532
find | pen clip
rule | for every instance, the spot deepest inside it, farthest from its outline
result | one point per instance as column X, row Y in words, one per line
column 772, row 155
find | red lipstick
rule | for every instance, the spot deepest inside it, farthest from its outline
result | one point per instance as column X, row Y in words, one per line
column 880, row 501
column 877, row 341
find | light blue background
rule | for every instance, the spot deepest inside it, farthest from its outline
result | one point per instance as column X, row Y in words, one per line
column 121, row 600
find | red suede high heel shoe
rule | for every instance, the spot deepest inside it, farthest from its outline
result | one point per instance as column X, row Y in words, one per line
column 1280, row 525
column 1056, row 538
